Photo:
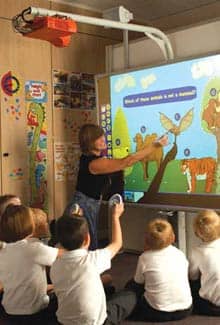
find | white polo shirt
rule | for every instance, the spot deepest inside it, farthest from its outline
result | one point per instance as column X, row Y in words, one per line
column 77, row 284
column 23, row 275
column 164, row 274
column 205, row 261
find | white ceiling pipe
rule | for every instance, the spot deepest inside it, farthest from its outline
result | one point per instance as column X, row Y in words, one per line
column 166, row 47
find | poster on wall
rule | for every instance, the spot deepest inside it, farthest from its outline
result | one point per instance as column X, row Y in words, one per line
column 12, row 115
column 182, row 100
column 11, row 92
column 73, row 90
column 66, row 158
column 36, row 102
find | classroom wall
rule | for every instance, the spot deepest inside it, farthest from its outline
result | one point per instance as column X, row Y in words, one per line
column 24, row 58
column 190, row 42
column 31, row 59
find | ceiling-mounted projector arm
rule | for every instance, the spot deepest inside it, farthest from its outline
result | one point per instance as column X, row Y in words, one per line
column 164, row 42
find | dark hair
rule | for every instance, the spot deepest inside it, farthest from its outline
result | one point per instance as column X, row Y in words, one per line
column 71, row 231
column 88, row 134
column 5, row 200
column 16, row 223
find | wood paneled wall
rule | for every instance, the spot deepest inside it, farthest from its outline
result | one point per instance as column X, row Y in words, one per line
column 35, row 60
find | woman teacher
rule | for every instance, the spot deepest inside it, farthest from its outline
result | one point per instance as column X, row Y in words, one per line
column 94, row 171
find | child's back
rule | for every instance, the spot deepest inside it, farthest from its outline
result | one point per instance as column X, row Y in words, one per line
column 204, row 259
column 22, row 273
column 164, row 273
column 80, row 291
column 76, row 275
column 23, row 261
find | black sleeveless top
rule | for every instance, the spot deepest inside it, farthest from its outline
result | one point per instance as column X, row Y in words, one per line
column 89, row 184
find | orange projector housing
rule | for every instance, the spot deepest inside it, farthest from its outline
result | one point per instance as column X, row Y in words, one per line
column 55, row 30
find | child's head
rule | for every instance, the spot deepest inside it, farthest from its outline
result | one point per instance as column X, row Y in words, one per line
column 72, row 232
column 7, row 199
column 16, row 223
column 159, row 234
column 207, row 225
column 41, row 224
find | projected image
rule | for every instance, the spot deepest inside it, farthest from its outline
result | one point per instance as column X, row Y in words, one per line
column 182, row 99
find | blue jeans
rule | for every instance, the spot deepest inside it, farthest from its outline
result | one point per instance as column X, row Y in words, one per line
column 90, row 209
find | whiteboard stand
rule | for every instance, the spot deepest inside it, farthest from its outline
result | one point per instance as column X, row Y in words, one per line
column 181, row 224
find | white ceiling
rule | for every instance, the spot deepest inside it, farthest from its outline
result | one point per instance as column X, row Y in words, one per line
column 146, row 10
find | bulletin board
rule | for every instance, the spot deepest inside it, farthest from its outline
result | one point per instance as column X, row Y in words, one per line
column 74, row 104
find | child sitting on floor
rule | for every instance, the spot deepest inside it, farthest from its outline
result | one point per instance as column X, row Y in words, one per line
column 205, row 264
column 8, row 199
column 161, row 278
column 76, row 210
column 41, row 229
column 22, row 267
column 76, row 275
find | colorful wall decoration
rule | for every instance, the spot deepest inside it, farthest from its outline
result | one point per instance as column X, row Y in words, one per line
column 36, row 99
column 11, row 88
column 16, row 174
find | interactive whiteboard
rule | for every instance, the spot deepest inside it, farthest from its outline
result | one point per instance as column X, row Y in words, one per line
column 182, row 99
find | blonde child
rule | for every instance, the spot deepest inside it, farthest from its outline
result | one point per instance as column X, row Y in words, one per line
column 41, row 229
column 6, row 200
column 80, row 293
column 205, row 264
column 22, row 267
column 161, row 278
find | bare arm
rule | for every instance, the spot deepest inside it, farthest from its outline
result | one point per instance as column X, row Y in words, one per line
column 105, row 165
column 60, row 252
column 1, row 288
column 116, row 242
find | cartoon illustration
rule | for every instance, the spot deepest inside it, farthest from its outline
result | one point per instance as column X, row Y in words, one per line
column 37, row 157
column 185, row 122
column 156, row 156
column 211, row 119
column 153, row 101
column 197, row 169
column 121, row 142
